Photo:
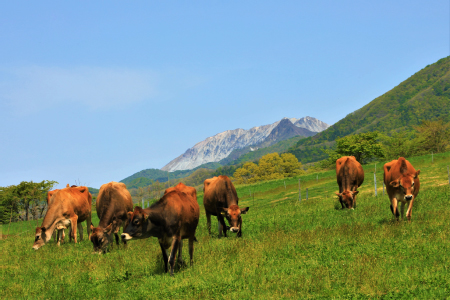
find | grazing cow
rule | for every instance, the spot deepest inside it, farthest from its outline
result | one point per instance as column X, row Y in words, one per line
column 220, row 199
column 59, row 234
column 173, row 218
column 68, row 206
column 350, row 176
column 402, row 184
column 113, row 204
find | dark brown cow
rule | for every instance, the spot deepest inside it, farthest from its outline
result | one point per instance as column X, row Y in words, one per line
column 402, row 184
column 173, row 218
column 113, row 204
column 68, row 206
column 350, row 176
column 220, row 199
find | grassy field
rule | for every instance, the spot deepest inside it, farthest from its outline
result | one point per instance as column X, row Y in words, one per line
column 289, row 249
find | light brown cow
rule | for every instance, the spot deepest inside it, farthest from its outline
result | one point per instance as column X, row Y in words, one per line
column 220, row 199
column 68, row 206
column 59, row 234
column 350, row 176
column 173, row 218
column 402, row 184
column 113, row 204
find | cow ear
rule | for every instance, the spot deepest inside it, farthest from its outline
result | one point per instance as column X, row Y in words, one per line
column 339, row 195
column 108, row 229
column 395, row 183
column 129, row 214
column 355, row 193
column 245, row 210
column 92, row 227
column 417, row 174
column 43, row 235
column 224, row 211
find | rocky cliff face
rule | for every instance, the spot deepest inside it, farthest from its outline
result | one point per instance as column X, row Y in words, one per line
column 217, row 147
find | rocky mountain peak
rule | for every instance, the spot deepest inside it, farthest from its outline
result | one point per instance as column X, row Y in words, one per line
column 219, row 146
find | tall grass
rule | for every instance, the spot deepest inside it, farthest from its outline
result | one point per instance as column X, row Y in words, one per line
column 289, row 249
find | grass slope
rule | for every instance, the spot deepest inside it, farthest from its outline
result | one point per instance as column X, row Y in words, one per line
column 289, row 249
column 423, row 96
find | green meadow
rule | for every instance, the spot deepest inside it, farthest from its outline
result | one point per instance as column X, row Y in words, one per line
column 309, row 249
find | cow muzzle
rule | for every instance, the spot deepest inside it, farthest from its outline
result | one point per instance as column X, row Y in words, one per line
column 408, row 197
column 234, row 229
column 126, row 237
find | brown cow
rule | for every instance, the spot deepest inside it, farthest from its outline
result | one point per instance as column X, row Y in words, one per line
column 113, row 204
column 220, row 199
column 68, row 206
column 173, row 218
column 59, row 234
column 402, row 184
column 350, row 176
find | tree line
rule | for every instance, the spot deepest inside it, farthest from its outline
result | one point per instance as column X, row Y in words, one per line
column 429, row 137
column 270, row 166
column 24, row 201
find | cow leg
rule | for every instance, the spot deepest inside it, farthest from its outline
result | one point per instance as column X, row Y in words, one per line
column 394, row 207
column 409, row 211
column 124, row 242
column 70, row 233
column 222, row 225
column 117, row 238
column 180, row 257
column 208, row 222
column 88, row 224
column 191, row 250
column 403, row 210
column 58, row 236
column 73, row 223
column 173, row 253
column 80, row 229
column 165, row 257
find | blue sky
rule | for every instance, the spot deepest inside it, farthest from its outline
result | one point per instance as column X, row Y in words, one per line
column 95, row 91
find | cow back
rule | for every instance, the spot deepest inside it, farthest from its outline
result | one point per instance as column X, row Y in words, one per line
column 349, row 173
column 114, row 200
column 176, row 211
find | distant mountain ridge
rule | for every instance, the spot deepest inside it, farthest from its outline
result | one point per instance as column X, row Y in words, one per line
column 219, row 146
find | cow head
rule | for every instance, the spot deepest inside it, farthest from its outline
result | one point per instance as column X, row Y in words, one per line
column 41, row 237
column 43, row 234
column 101, row 237
column 348, row 198
column 233, row 215
column 139, row 225
column 406, row 185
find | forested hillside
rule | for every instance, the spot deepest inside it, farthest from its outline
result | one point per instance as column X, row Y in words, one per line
column 423, row 96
